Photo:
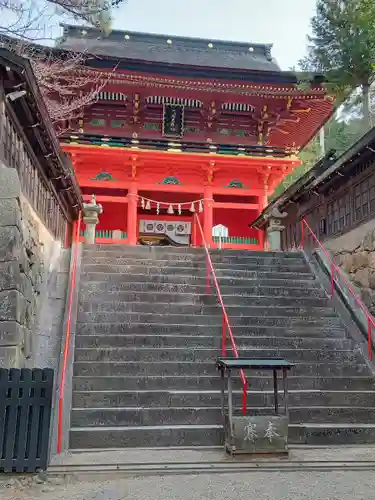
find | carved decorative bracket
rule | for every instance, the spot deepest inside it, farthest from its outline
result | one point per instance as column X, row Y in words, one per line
column 210, row 170
column 103, row 176
column 171, row 181
column 236, row 185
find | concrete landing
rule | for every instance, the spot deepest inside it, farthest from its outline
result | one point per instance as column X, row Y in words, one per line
column 308, row 474
column 149, row 461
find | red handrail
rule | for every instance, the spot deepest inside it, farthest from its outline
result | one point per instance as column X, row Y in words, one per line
column 225, row 324
column 336, row 270
column 76, row 231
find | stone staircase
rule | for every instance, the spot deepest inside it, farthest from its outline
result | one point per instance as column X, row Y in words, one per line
column 147, row 339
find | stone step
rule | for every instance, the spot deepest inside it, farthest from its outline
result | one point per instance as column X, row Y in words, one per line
column 179, row 252
column 213, row 341
column 209, row 435
column 187, row 368
column 194, row 260
column 150, row 267
column 325, row 434
column 206, row 383
column 206, row 320
column 237, row 287
column 117, row 282
column 194, row 399
column 156, row 354
column 91, row 272
column 193, row 315
column 158, row 436
column 123, row 291
column 148, row 336
column 193, row 304
column 112, row 417
column 299, row 328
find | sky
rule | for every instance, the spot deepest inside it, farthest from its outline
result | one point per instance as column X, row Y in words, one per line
column 285, row 23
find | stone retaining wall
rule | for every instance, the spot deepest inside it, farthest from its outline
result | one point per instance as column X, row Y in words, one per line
column 33, row 279
column 355, row 253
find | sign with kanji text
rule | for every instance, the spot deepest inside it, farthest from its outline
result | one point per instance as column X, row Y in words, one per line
column 173, row 120
column 257, row 434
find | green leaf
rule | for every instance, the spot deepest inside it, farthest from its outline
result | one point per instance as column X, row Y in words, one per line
column 342, row 46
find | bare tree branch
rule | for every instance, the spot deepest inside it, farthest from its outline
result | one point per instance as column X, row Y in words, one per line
column 65, row 89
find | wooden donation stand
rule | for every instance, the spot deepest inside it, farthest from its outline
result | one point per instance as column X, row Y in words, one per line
column 254, row 434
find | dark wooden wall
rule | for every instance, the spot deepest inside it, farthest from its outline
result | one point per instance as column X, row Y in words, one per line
column 339, row 205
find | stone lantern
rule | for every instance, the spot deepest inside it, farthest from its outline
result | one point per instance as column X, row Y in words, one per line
column 91, row 212
column 275, row 228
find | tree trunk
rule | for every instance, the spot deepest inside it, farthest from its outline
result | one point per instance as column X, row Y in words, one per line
column 366, row 105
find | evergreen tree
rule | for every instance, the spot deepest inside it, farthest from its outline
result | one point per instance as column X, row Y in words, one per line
column 342, row 47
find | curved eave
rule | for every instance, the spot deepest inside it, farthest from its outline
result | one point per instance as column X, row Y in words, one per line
column 31, row 110
column 103, row 61
column 300, row 132
column 321, row 174
column 182, row 70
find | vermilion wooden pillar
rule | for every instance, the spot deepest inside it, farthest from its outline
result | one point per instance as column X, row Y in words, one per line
column 193, row 233
column 261, row 232
column 132, row 214
column 208, row 215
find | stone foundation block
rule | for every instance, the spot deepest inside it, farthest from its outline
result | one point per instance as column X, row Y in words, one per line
column 10, row 276
column 10, row 186
column 14, row 307
column 10, row 213
column 10, row 243
column 10, row 357
column 11, row 333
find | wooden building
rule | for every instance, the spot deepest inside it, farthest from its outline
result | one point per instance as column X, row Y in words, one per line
column 186, row 125
column 335, row 196
column 29, row 144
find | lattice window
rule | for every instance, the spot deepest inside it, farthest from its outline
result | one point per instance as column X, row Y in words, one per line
column 341, row 214
column 329, row 218
column 116, row 124
column 225, row 131
column 97, row 122
column 322, row 227
column 348, row 209
column 335, row 217
column 362, row 167
column 372, row 193
column 357, row 203
column 192, row 130
column 365, row 198
column 151, row 126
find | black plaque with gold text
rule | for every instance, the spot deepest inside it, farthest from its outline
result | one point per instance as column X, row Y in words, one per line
column 173, row 120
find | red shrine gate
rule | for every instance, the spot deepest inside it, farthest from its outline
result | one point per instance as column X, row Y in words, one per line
column 133, row 188
column 186, row 125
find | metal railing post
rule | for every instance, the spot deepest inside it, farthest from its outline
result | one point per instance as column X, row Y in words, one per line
column 244, row 397
column 332, row 279
column 226, row 329
column 224, row 337
column 369, row 338
column 302, row 234
column 60, row 429
column 208, row 284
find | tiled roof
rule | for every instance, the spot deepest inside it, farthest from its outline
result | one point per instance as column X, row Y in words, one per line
column 167, row 49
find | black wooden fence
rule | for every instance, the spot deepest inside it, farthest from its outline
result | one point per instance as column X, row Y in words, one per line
column 25, row 416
